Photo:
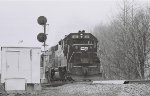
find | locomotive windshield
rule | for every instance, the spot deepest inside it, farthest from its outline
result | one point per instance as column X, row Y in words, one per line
column 82, row 41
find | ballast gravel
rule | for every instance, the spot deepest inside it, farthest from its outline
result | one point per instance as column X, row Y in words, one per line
column 89, row 89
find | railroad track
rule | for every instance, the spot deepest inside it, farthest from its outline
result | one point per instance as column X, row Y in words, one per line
column 60, row 83
column 137, row 82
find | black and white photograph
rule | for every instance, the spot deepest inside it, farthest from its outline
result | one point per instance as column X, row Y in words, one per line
column 75, row 48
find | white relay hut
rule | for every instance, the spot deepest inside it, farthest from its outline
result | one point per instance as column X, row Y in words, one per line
column 20, row 67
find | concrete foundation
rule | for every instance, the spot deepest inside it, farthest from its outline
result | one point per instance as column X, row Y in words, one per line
column 33, row 87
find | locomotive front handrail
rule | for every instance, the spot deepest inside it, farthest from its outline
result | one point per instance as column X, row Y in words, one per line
column 71, row 56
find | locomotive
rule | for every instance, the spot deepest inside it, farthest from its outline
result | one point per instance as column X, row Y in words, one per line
column 74, row 56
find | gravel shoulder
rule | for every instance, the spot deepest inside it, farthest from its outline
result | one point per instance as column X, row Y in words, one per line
column 89, row 89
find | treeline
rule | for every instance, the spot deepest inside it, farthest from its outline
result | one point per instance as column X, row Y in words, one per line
column 124, row 44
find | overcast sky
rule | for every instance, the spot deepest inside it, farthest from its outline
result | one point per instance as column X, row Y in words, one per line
column 19, row 19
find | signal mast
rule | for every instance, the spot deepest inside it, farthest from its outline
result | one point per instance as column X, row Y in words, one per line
column 42, row 38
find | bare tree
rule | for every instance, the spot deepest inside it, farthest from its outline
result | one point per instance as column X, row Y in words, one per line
column 124, row 44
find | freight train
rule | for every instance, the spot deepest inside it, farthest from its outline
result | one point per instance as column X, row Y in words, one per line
column 75, row 57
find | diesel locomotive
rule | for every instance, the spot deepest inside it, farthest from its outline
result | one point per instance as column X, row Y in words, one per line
column 74, row 56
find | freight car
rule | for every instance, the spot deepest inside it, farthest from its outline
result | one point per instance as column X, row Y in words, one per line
column 74, row 56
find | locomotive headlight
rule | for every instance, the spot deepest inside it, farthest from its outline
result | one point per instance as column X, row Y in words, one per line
column 81, row 35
